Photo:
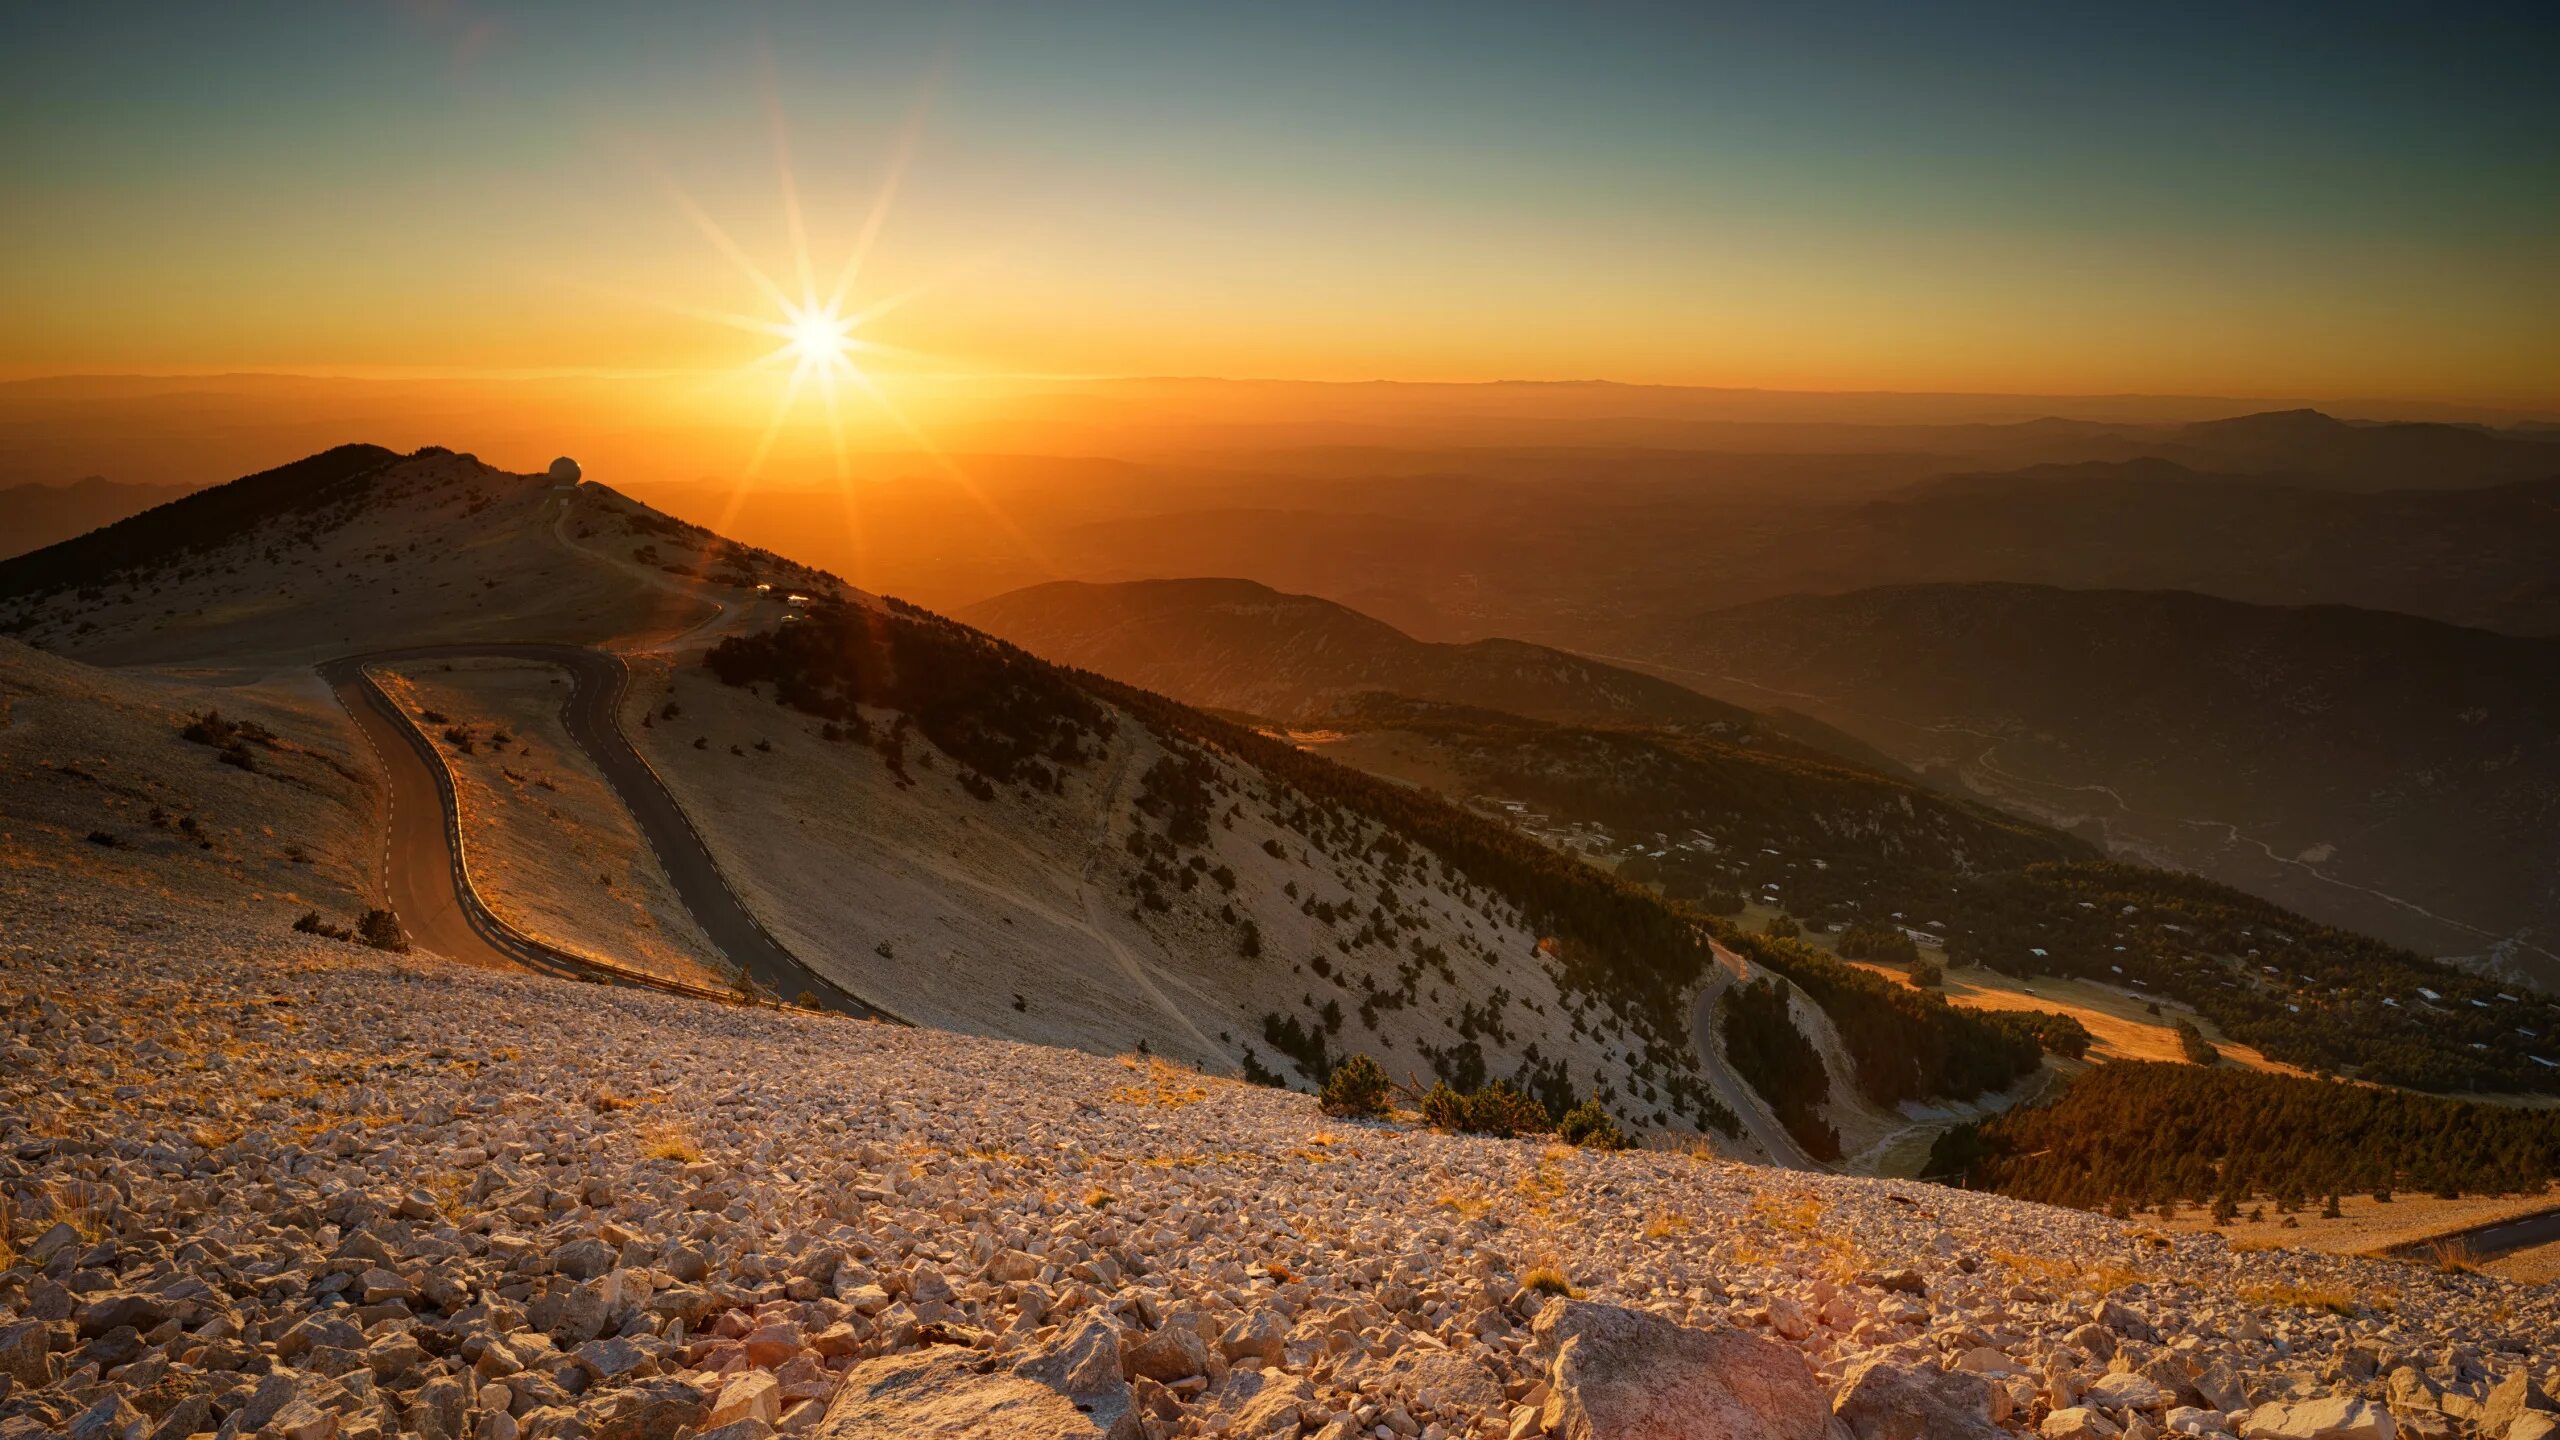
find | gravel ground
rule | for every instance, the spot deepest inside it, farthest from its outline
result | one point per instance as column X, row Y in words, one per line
column 264, row 1184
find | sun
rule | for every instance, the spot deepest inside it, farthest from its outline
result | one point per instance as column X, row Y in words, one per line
column 825, row 347
column 819, row 335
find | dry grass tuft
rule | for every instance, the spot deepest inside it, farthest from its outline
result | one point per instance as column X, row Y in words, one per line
column 448, row 1187
column 1549, row 1280
column 2453, row 1257
column 1166, row 1087
column 1542, row 1187
column 670, row 1140
column 2101, row 1278
column 2335, row 1300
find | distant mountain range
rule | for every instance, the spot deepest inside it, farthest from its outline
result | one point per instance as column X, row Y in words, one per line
column 2488, row 556
column 2379, row 771
column 34, row 516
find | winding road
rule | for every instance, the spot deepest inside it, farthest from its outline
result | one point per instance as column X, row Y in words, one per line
column 425, row 874
column 2489, row 1241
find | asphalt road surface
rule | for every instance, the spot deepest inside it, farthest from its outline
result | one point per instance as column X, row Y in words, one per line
column 2487, row 1242
column 426, row 885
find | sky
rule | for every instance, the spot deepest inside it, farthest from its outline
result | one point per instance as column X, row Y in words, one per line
column 2056, row 199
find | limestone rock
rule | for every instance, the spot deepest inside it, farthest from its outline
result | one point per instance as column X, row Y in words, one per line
column 2334, row 1417
column 1070, row 1390
column 1618, row 1374
column 1881, row 1400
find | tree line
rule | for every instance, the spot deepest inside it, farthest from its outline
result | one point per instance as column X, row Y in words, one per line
column 2133, row 1134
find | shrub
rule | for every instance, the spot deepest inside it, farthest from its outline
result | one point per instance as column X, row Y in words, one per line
column 1444, row 1108
column 1928, row 974
column 2191, row 1043
column 1497, row 1109
column 1357, row 1090
column 312, row 924
column 381, row 929
column 104, row 838
column 1590, row 1126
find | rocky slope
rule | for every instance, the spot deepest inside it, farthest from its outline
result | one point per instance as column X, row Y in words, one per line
column 348, row 1194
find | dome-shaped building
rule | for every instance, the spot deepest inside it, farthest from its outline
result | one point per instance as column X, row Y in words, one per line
column 565, row 472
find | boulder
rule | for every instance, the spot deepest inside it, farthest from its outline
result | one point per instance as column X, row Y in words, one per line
column 1070, row 1389
column 117, row 1309
column 24, row 1347
column 1175, row 1352
column 1440, row 1380
column 1880, row 1400
column 1262, row 1404
column 2127, row 1390
column 583, row 1259
column 1789, row 1318
column 772, row 1345
column 2120, row 1318
column 2077, row 1423
column 1262, row 1334
column 112, row 1418
column 2509, row 1399
column 2331, row 1417
column 1619, row 1374
column 649, row 1409
column 753, row 1395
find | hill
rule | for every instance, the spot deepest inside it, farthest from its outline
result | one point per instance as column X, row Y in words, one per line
column 1238, row 645
column 1241, row 646
column 2376, row 771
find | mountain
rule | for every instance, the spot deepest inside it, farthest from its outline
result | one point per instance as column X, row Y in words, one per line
column 2397, row 455
column 930, row 819
column 34, row 516
column 2378, row 771
column 2486, row 557
column 358, row 548
column 1237, row 645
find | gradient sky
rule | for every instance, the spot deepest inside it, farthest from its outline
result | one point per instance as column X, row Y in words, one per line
column 2235, row 199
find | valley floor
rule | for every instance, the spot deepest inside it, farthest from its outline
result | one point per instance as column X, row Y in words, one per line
column 269, row 1183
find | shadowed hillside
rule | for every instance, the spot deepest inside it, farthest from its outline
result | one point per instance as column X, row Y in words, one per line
column 2376, row 771
column 1238, row 645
